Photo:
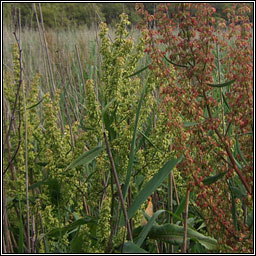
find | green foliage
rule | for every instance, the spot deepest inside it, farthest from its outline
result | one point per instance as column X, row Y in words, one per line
column 73, row 198
column 77, row 14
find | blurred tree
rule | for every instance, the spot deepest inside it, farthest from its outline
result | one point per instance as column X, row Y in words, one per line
column 77, row 14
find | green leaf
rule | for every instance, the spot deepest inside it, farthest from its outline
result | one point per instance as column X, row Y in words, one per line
column 40, row 183
column 250, row 219
column 223, row 84
column 212, row 179
column 139, row 71
column 174, row 234
column 149, row 141
column 107, row 106
column 174, row 64
column 132, row 151
column 180, row 208
column 225, row 101
column 239, row 150
column 35, row 104
column 152, row 185
column 61, row 231
column 147, row 228
column 189, row 124
column 86, row 157
column 130, row 247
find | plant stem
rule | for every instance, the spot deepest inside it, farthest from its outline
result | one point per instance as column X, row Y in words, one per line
column 170, row 188
column 219, row 80
column 117, row 183
column 184, row 246
column 226, row 146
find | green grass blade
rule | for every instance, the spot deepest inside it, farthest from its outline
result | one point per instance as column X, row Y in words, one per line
column 212, row 179
column 189, row 124
column 180, row 209
column 147, row 228
column 148, row 140
column 223, row 84
column 225, row 101
column 86, row 157
column 130, row 247
column 138, row 72
column 132, row 151
column 152, row 185
column 174, row 64
column 239, row 151
column 35, row 104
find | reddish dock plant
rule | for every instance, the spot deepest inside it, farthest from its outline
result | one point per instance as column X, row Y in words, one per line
column 210, row 107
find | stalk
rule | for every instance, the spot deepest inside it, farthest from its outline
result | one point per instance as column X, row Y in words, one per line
column 117, row 183
column 184, row 246
column 221, row 97
column 53, row 87
column 41, row 43
column 175, row 189
column 81, row 70
column 231, row 158
column 170, row 197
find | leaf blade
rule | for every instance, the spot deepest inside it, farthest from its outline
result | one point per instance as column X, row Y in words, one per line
column 223, row 84
column 132, row 151
column 212, row 179
column 86, row 157
column 143, row 234
column 130, row 247
column 152, row 185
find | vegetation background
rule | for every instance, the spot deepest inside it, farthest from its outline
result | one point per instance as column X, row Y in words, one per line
column 70, row 15
column 96, row 119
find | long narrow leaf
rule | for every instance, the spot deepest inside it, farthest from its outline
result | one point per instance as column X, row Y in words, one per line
column 239, row 150
column 212, row 179
column 147, row 228
column 225, row 101
column 189, row 124
column 174, row 64
column 35, row 104
column 86, row 157
column 180, row 209
column 174, row 234
column 152, row 185
column 139, row 71
column 61, row 231
column 132, row 151
column 149, row 141
column 130, row 247
column 222, row 85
